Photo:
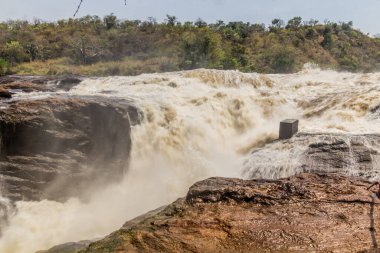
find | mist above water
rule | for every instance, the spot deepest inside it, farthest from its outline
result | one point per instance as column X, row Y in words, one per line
column 197, row 124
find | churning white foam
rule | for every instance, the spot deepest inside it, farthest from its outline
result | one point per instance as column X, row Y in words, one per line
column 197, row 124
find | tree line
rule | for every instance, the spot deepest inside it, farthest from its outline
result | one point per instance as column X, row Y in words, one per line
column 280, row 47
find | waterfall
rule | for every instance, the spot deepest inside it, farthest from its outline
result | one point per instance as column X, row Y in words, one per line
column 198, row 124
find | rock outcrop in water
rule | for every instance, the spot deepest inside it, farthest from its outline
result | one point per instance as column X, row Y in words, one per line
column 40, row 83
column 60, row 146
column 305, row 213
column 357, row 155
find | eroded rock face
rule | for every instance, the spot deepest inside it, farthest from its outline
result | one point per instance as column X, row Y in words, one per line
column 357, row 155
column 305, row 213
column 60, row 146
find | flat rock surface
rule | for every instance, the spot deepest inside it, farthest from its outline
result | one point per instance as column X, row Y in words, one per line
column 309, row 212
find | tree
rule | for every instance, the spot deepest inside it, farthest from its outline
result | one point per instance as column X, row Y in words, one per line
column 277, row 23
column 347, row 26
column 171, row 20
column 311, row 22
column 202, row 50
column 32, row 51
column 327, row 38
column 14, row 52
column 110, row 21
column 4, row 67
column 283, row 61
column 294, row 23
column 310, row 33
column 219, row 24
column 86, row 49
column 200, row 23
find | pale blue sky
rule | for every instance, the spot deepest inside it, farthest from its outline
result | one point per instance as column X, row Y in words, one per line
column 364, row 13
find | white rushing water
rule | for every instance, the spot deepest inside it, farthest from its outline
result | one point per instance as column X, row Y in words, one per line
column 197, row 124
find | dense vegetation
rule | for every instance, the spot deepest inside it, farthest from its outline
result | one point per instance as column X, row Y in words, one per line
column 109, row 46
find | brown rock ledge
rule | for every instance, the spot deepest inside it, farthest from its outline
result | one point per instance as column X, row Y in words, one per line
column 306, row 213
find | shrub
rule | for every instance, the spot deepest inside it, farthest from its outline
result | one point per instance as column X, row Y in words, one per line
column 327, row 39
column 277, row 60
column 349, row 64
column 4, row 67
column 283, row 61
column 202, row 50
column 14, row 52
column 310, row 33
column 347, row 26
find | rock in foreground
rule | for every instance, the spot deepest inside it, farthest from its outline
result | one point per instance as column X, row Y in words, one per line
column 305, row 213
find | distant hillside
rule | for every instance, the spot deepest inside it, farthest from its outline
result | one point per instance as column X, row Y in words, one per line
column 109, row 46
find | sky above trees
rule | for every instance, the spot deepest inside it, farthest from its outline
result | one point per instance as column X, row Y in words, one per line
column 363, row 13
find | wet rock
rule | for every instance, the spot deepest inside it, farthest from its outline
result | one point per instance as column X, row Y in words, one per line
column 356, row 155
column 60, row 147
column 339, row 153
column 66, row 83
column 26, row 87
column 40, row 83
column 28, row 79
column 306, row 213
column 7, row 79
column 4, row 93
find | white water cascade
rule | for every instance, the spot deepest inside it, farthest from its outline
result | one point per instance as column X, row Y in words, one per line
column 197, row 124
